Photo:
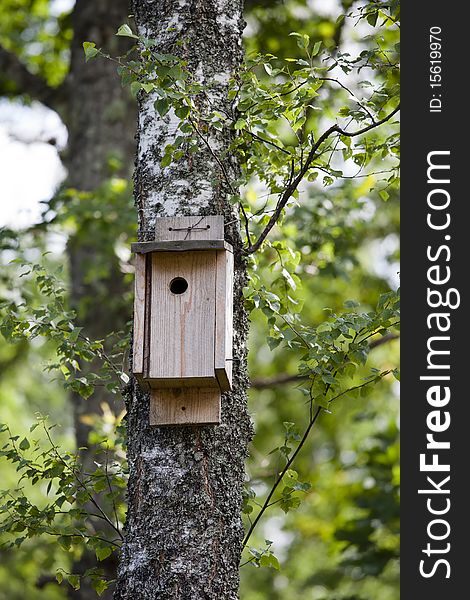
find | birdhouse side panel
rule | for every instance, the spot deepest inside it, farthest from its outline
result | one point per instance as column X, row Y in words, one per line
column 182, row 319
column 224, row 320
column 139, row 316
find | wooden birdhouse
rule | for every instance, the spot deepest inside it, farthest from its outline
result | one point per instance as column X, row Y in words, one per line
column 183, row 314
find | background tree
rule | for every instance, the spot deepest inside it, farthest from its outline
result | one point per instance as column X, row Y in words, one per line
column 95, row 202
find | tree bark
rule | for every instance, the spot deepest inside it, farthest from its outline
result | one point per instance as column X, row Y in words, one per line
column 100, row 116
column 183, row 532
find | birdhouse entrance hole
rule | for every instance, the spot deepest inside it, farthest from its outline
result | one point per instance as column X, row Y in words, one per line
column 178, row 285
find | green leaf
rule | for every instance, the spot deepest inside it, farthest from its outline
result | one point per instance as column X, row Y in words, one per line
column 290, row 473
column 99, row 585
column 90, row 50
column 64, row 542
column 273, row 342
column 268, row 69
column 349, row 370
column 162, row 106
column 135, row 87
column 316, row 48
column 328, row 378
column 303, row 40
column 74, row 581
column 182, row 112
column 288, row 503
column 384, row 195
column 288, row 277
column 24, row 444
column 126, row 31
column 269, row 560
column 100, row 485
column 148, row 87
column 372, row 18
column 302, row 487
column 322, row 401
column 103, row 552
column 166, row 160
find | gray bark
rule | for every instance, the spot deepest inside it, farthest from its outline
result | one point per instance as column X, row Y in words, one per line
column 184, row 531
column 100, row 116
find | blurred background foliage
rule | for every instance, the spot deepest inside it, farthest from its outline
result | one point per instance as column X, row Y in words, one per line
column 342, row 542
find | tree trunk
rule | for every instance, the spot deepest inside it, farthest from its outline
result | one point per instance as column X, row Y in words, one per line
column 100, row 117
column 184, row 531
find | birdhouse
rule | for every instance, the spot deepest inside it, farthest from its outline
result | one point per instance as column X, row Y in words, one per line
column 183, row 313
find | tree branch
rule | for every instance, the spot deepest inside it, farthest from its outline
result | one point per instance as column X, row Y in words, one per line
column 313, row 418
column 384, row 340
column 282, row 473
column 351, row 93
column 265, row 141
column 268, row 382
column 13, row 69
column 291, row 188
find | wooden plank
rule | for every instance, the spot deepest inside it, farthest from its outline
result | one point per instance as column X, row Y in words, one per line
column 182, row 324
column 201, row 228
column 190, row 382
column 185, row 406
column 139, row 316
column 224, row 320
column 180, row 246
column 148, row 308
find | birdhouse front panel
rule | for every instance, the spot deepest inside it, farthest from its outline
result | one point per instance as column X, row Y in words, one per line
column 182, row 323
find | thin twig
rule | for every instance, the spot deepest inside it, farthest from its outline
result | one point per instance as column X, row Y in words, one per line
column 79, row 535
column 281, row 474
column 265, row 141
column 264, row 383
column 371, row 116
column 213, row 154
column 110, row 488
column 83, row 486
column 290, row 189
column 267, row 503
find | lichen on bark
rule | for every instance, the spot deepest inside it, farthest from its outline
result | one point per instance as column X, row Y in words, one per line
column 183, row 532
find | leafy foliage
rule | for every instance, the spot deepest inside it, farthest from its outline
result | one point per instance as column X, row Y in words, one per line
column 40, row 34
column 72, row 515
column 82, row 499
column 317, row 140
column 277, row 108
column 23, row 321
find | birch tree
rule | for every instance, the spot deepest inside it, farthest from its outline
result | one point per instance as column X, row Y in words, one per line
column 183, row 533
